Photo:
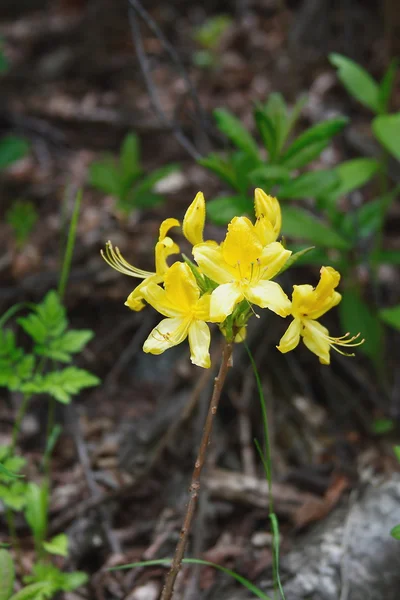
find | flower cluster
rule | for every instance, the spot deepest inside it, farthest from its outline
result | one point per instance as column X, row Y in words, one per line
column 225, row 281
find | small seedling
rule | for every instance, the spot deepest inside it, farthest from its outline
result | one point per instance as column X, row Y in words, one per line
column 22, row 217
column 125, row 179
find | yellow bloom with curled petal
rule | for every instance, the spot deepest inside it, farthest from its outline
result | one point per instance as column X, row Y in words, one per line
column 268, row 207
column 194, row 219
column 186, row 312
column 243, row 266
column 308, row 304
column 163, row 249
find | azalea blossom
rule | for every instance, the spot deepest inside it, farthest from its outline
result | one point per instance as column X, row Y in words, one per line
column 163, row 249
column 186, row 312
column 243, row 266
column 269, row 227
column 308, row 304
column 194, row 219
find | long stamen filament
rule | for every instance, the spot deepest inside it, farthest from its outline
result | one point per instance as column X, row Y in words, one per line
column 114, row 258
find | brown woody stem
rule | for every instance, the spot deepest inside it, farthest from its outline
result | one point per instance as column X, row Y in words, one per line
column 195, row 485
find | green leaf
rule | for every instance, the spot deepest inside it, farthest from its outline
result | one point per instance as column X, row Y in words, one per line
column 386, row 85
column 61, row 385
column 382, row 426
column 22, row 217
column 236, row 132
column 47, row 320
column 322, row 132
column 74, row 580
column 387, row 130
column 3, row 58
column 54, row 578
column 104, row 176
column 309, row 185
column 221, row 210
column 7, row 574
column 319, row 256
column 130, row 155
column 357, row 317
column 34, row 591
column 395, row 532
column 221, row 167
column 148, row 182
column 36, row 511
column 4, row 472
column 355, row 173
column 294, row 258
column 396, row 450
column 196, row 561
column 145, row 200
column 68, row 343
column 391, row 316
column 277, row 110
column 268, row 174
column 389, row 257
column 210, row 32
column 304, row 156
column 58, row 545
column 365, row 221
column 300, row 224
column 12, row 464
column 357, row 81
column 14, row 496
column 266, row 129
column 12, row 148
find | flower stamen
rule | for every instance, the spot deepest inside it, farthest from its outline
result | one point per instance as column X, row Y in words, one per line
column 114, row 258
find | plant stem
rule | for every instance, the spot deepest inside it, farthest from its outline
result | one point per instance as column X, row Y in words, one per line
column 70, row 246
column 13, row 537
column 195, row 484
column 18, row 420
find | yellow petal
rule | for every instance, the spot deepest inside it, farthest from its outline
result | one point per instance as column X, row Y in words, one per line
column 302, row 300
column 241, row 245
column 202, row 308
column 265, row 231
column 168, row 333
column 272, row 259
column 291, row 337
column 269, row 294
column 223, row 301
column 210, row 260
column 269, row 207
column 329, row 280
column 194, row 219
column 166, row 226
column 158, row 299
column 199, row 342
column 315, row 337
column 135, row 300
column 324, row 306
column 181, row 288
column 163, row 250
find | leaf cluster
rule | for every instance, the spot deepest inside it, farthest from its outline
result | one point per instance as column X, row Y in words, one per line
column 125, row 179
column 47, row 326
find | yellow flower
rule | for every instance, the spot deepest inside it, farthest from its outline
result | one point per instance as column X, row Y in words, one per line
column 164, row 248
column 187, row 312
column 308, row 304
column 194, row 219
column 268, row 207
column 243, row 265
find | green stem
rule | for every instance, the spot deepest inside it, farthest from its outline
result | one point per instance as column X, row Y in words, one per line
column 70, row 246
column 13, row 537
column 267, row 464
column 18, row 420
